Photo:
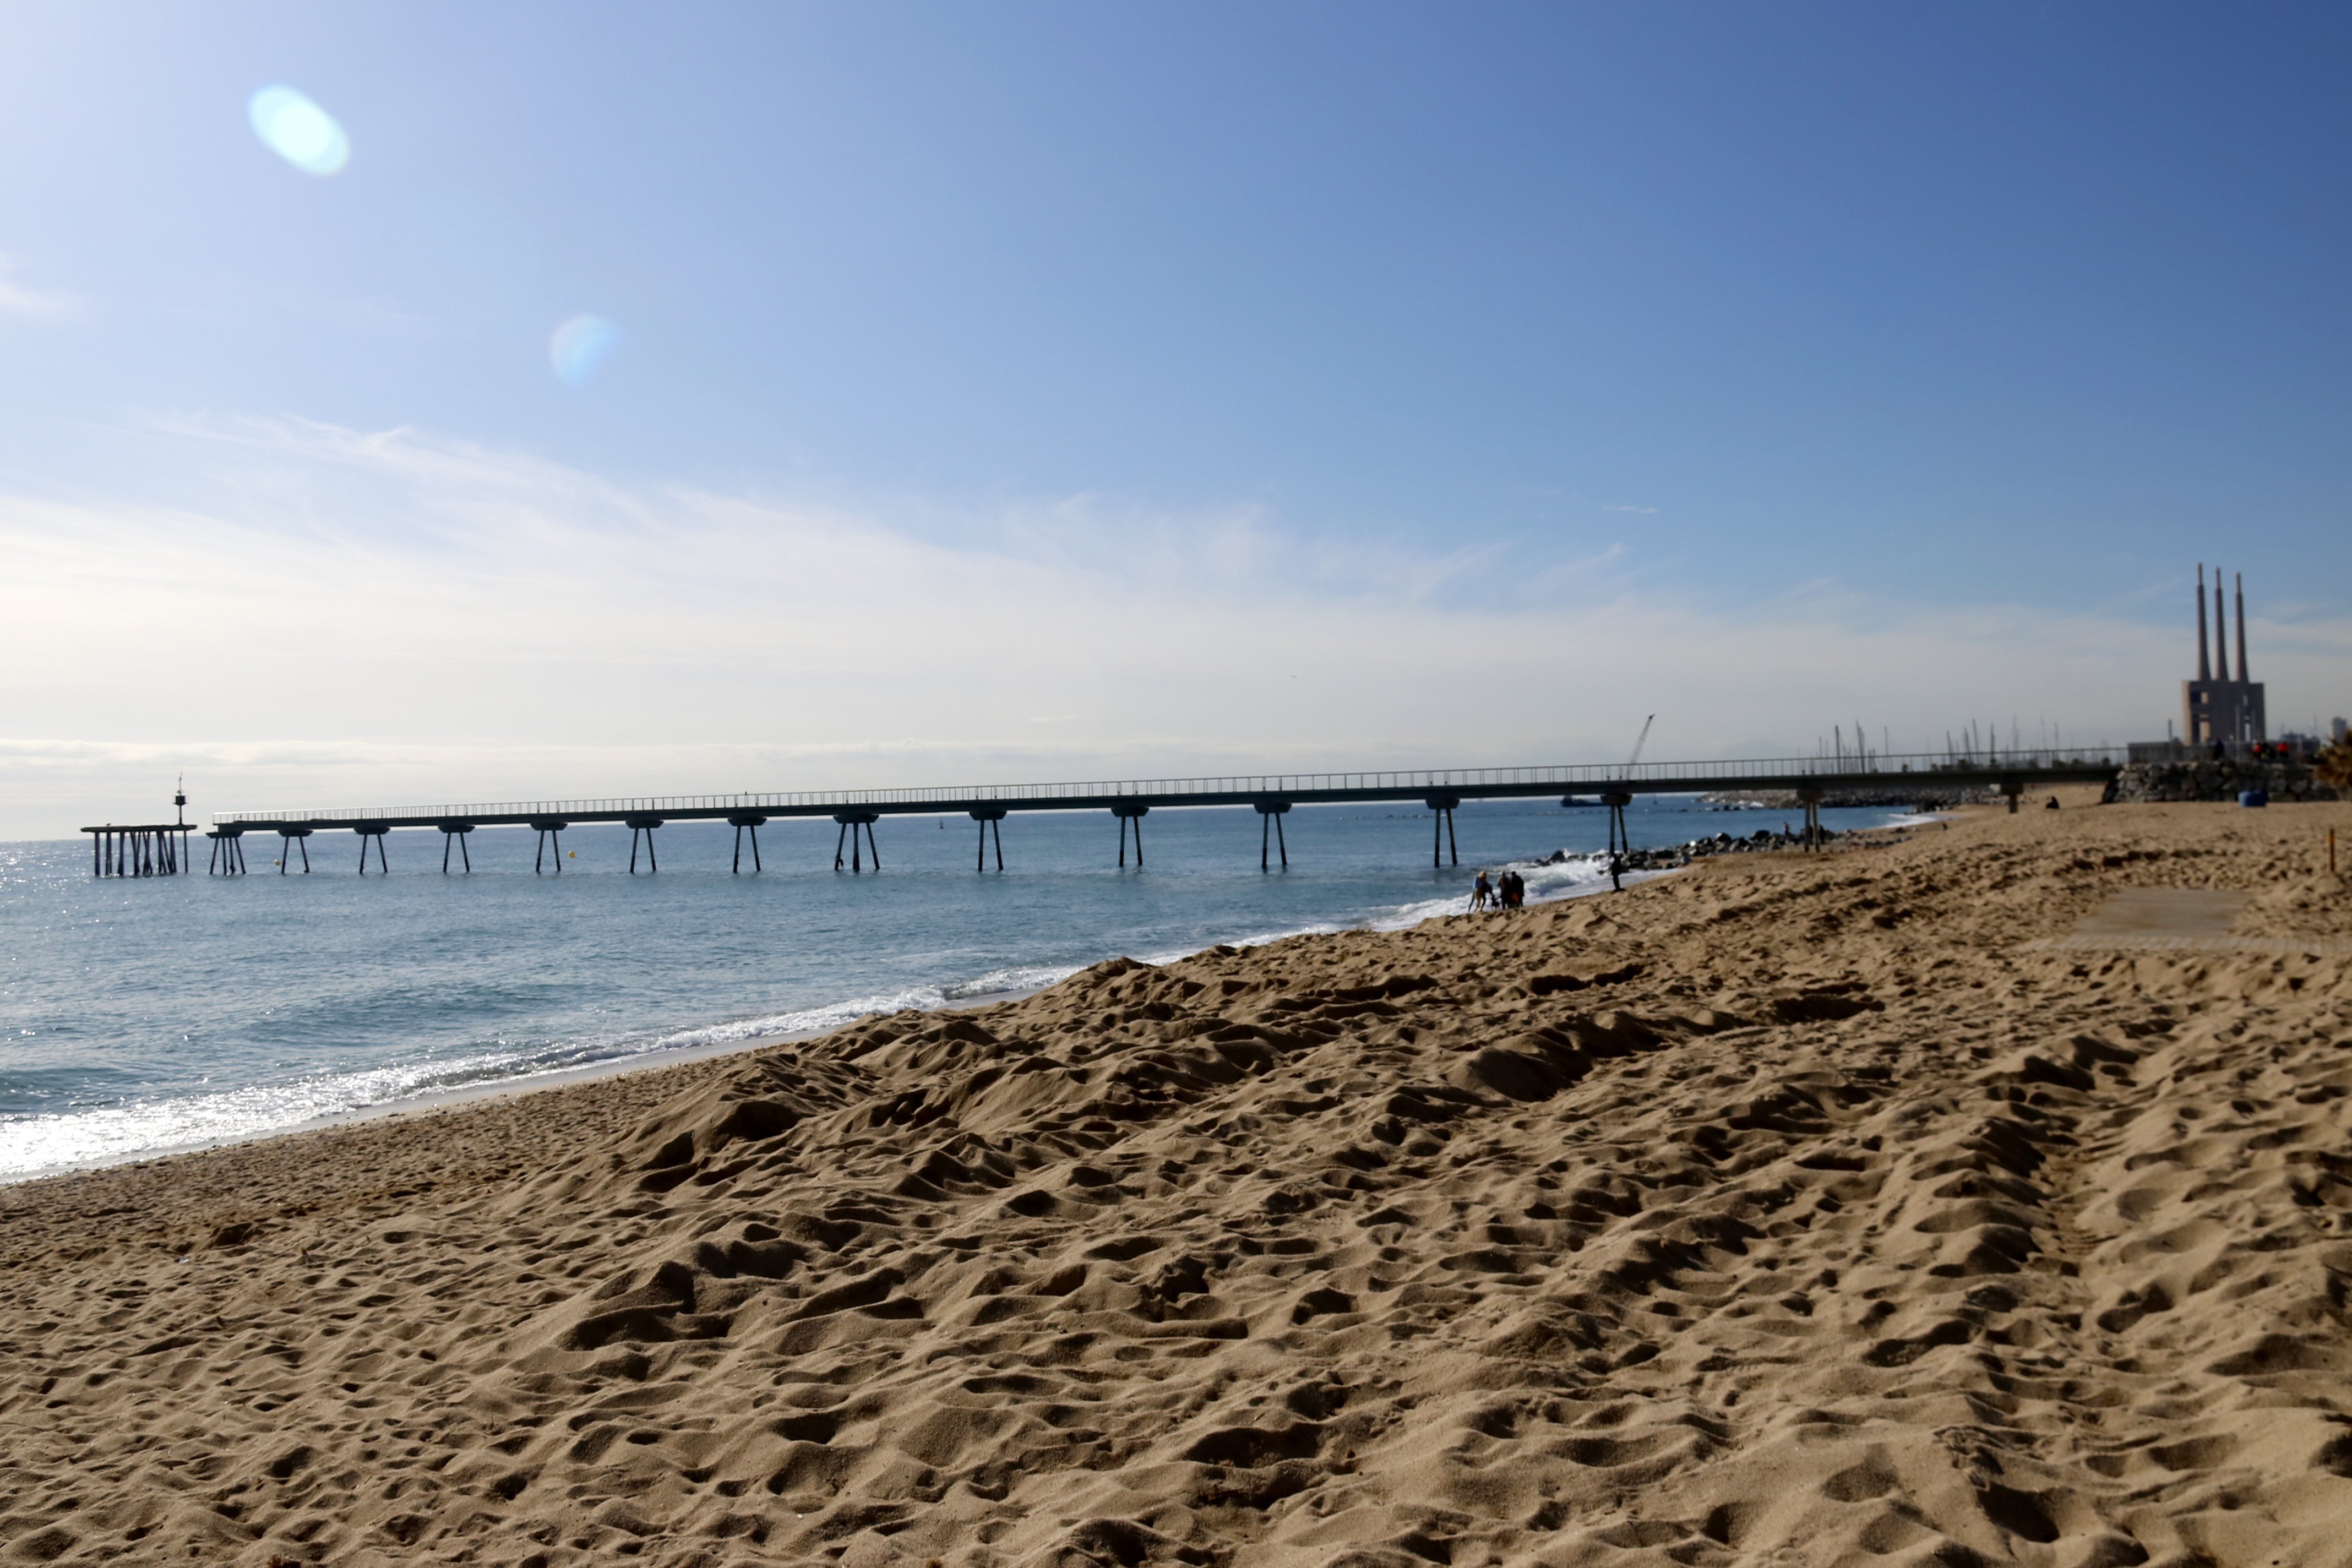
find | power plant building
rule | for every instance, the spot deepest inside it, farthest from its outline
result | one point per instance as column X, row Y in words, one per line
column 2214, row 708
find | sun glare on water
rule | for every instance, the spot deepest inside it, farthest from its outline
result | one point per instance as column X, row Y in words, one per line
column 299, row 130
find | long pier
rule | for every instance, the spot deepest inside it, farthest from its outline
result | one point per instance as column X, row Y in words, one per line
column 1272, row 796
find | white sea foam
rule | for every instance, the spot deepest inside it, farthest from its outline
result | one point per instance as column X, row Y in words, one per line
column 834, row 1014
column 107, row 1135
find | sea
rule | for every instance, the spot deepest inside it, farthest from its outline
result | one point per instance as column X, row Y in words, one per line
column 143, row 1018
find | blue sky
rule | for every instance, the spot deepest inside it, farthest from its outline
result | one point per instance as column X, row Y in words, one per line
column 1891, row 361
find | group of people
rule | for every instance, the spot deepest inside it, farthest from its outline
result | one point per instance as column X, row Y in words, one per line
column 1508, row 890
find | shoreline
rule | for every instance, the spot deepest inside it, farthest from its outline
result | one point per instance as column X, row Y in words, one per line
column 659, row 1059
column 1642, row 868
column 506, row 1089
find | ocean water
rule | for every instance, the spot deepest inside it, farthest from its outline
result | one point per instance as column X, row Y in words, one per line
column 142, row 1017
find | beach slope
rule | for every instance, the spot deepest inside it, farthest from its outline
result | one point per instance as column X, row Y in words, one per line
column 1834, row 1209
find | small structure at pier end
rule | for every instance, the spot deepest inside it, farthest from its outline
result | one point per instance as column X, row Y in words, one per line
column 2216, row 710
column 145, row 848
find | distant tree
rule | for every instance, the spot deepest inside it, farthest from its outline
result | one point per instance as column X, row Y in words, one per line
column 2334, row 765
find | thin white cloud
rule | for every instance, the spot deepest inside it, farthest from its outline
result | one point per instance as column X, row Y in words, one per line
column 1641, row 511
column 341, row 617
column 29, row 303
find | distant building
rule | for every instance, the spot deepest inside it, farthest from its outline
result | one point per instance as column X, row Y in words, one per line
column 2214, row 708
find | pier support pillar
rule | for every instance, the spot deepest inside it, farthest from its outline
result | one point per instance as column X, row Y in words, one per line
column 1812, row 800
column 851, row 822
column 1443, row 806
column 988, row 817
column 739, row 822
column 2012, row 788
column 1127, row 814
column 378, row 831
column 228, row 850
column 1620, row 840
column 642, row 826
column 457, row 832
column 293, row 839
column 1270, row 813
column 550, row 835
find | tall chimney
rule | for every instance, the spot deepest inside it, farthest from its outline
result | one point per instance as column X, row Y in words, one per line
column 2220, row 631
column 2204, row 664
column 2242, row 627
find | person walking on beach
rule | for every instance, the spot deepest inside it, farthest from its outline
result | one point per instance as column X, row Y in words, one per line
column 1514, row 891
column 1481, row 891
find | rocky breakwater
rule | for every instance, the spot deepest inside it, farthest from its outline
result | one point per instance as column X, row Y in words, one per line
column 1669, row 857
column 2221, row 779
column 1899, row 790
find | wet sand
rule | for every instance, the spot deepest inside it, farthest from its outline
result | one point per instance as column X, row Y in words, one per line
column 1911, row 1204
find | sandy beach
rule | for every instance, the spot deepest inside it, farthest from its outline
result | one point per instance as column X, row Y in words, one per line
column 1920, row 1202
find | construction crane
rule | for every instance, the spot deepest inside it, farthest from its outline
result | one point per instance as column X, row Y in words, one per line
column 1644, row 741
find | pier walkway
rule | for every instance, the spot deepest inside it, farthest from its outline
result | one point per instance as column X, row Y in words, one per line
column 1272, row 796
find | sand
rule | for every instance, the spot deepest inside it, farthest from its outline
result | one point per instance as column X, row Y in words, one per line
column 1844, row 1209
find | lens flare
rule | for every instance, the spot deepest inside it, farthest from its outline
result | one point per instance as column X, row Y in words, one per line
column 579, row 346
column 299, row 130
